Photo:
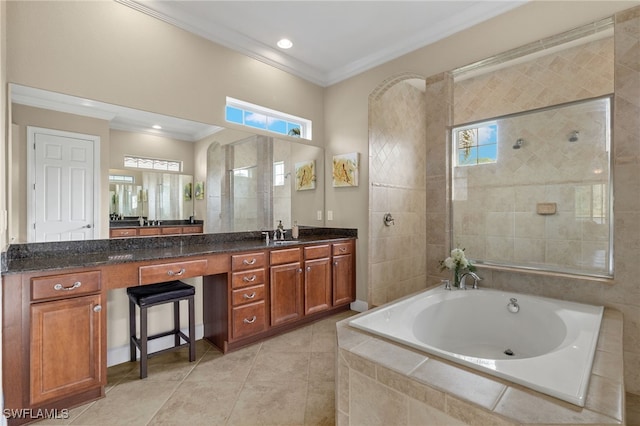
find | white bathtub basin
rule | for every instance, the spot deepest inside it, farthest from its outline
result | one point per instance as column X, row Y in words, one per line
column 548, row 345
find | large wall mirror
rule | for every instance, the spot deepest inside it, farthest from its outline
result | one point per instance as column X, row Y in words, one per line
column 533, row 190
column 230, row 179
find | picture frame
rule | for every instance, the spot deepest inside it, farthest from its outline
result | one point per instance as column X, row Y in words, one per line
column 345, row 170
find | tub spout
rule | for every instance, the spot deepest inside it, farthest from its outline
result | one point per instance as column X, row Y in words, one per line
column 463, row 280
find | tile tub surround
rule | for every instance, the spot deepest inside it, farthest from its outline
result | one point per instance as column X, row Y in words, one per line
column 381, row 382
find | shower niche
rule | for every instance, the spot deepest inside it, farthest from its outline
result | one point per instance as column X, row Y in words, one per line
column 505, row 168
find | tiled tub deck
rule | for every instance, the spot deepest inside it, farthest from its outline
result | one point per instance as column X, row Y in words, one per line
column 379, row 382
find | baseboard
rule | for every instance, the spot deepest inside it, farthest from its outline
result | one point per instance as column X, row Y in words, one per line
column 120, row 354
column 359, row 306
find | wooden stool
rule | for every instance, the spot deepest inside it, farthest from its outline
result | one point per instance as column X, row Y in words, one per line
column 147, row 296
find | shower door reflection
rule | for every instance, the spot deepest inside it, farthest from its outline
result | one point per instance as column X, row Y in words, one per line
column 244, row 198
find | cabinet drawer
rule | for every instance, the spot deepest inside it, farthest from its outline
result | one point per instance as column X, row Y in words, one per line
column 285, row 256
column 241, row 262
column 148, row 231
column 171, row 271
column 245, row 278
column 248, row 319
column 192, row 229
column 170, row 230
column 342, row 248
column 248, row 294
column 317, row 252
column 65, row 285
column 122, row 232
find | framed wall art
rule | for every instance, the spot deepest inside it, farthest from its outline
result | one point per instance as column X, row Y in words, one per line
column 345, row 170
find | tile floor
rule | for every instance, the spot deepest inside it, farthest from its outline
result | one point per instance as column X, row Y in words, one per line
column 285, row 380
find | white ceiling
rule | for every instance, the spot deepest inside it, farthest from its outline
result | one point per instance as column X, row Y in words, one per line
column 332, row 40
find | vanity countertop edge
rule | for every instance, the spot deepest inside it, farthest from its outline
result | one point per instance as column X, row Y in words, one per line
column 21, row 258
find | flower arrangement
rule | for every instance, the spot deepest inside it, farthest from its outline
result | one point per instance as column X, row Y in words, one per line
column 457, row 262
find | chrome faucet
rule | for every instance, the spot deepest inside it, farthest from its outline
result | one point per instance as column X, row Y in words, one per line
column 463, row 278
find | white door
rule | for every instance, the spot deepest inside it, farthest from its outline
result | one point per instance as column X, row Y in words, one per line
column 63, row 180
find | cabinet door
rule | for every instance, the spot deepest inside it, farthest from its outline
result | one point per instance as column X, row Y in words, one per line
column 343, row 279
column 286, row 293
column 66, row 341
column 317, row 285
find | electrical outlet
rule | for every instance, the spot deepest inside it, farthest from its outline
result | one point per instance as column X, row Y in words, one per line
column 319, row 215
column 329, row 214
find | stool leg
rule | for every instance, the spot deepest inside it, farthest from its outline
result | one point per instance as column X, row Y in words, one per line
column 176, row 323
column 192, row 331
column 143, row 342
column 132, row 330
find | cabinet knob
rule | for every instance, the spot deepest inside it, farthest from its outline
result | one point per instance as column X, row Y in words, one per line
column 299, row 270
column 97, row 308
column 335, row 263
column 308, row 268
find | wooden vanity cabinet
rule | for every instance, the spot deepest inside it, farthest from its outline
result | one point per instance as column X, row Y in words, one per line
column 285, row 286
column 67, row 326
column 247, row 299
column 146, row 231
column 344, row 285
column 317, row 278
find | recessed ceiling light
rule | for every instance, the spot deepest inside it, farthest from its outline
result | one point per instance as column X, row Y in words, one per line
column 157, row 126
column 285, row 43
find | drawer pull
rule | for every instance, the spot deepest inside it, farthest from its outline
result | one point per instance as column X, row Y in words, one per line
column 249, row 262
column 97, row 308
column 249, row 279
column 250, row 321
column 249, row 296
column 176, row 274
column 75, row 285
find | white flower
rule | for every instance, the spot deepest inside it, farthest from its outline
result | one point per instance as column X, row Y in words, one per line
column 449, row 263
column 464, row 263
column 458, row 254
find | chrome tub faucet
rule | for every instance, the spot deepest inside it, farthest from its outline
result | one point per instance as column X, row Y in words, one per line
column 463, row 280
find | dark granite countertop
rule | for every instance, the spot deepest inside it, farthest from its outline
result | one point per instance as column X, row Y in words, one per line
column 71, row 254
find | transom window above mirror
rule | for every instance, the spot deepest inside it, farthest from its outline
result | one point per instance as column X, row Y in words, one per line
column 152, row 164
column 259, row 117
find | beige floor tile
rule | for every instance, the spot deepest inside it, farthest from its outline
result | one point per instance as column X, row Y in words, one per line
column 130, row 403
column 320, row 406
column 199, row 403
column 270, row 403
column 214, row 367
column 293, row 341
column 322, row 366
column 633, row 409
column 280, row 367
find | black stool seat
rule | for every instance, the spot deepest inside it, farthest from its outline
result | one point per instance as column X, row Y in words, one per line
column 153, row 294
column 147, row 296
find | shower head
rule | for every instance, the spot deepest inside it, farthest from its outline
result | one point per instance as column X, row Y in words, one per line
column 518, row 143
column 573, row 136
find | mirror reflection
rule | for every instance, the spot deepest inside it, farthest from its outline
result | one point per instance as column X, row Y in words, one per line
column 149, row 195
column 533, row 189
column 229, row 179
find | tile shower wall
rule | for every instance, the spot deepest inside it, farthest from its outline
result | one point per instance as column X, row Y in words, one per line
column 623, row 293
column 397, row 162
column 495, row 205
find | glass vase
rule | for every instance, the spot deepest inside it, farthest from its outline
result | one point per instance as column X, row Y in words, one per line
column 456, row 277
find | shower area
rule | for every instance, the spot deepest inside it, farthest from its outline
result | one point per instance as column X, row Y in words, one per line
column 397, row 186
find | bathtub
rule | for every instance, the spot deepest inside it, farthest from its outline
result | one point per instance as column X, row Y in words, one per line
column 547, row 345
